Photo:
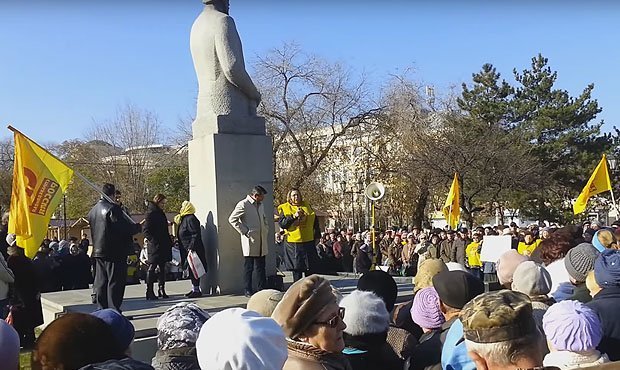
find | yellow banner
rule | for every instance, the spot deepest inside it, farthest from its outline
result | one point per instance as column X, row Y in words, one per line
column 599, row 182
column 39, row 181
column 452, row 208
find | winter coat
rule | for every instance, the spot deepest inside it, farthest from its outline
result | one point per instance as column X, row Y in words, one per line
column 111, row 231
column 433, row 251
column 190, row 236
column 427, row 355
column 48, row 272
column 156, row 231
column 76, row 271
column 401, row 342
column 176, row 359
column 401, row 318
column 123, row 364
column 302, row 356
column 4, row 246
column 606, row 304
column 26, row 299
column 6, row 278
column 250, row 221
column 453, row 251
column 363, row 259
column 370, row 351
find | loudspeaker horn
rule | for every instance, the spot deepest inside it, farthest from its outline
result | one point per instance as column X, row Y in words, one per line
column 374, row 191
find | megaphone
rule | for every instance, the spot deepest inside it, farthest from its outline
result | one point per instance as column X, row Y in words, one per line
column 374, row 191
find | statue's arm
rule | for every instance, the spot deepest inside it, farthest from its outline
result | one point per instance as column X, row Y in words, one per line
column 230, row 55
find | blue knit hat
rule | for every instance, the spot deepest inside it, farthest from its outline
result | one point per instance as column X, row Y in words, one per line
column 122, row 328
column 607, row 268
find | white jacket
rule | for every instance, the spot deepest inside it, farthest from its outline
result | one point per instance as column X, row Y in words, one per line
column 6, row 278
column 250, row 221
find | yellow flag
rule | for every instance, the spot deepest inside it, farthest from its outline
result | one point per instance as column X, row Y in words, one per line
column 452, row 209
column 599, row 182
column 39, row 180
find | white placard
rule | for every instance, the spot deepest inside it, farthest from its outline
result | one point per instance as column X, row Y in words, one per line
column 493, row 246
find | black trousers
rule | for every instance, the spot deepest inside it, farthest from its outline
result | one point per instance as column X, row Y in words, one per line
column 161, row 278
column 195, row 282
column 250, row 264
column 109, row 285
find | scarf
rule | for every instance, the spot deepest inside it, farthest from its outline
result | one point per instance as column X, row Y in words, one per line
column 187, row 208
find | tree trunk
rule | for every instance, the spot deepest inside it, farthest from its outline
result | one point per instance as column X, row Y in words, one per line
column 419, row 214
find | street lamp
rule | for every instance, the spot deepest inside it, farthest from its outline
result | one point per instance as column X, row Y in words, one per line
column 613, row 163
column 343, row 186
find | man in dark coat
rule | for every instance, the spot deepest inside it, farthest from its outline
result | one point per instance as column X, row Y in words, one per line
column 25, row 301
column 111, row 231
column 607, row 301
column 452, row 249
column 159, row 248
column 4, row 229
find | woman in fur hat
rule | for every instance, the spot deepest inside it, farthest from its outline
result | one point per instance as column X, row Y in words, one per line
column 313, row 323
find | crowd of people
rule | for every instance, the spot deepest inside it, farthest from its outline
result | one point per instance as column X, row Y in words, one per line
column 548, row 302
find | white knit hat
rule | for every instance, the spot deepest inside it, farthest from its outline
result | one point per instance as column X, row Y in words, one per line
column 365, row 313
column 239, row 339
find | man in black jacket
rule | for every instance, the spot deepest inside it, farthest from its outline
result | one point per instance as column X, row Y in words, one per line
column 111, row 231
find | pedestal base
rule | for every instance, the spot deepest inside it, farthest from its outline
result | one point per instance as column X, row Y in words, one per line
column 223, row 168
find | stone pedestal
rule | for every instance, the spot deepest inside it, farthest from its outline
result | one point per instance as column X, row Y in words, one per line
column 226, row 159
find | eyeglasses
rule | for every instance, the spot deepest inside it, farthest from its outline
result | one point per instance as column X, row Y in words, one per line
column 333, row 322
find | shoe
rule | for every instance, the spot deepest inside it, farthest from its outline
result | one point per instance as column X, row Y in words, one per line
column 193, row 294
column 248, row 294
column 150, row 296
column 161, row 293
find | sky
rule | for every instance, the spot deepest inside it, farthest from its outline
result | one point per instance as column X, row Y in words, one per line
column 67, row 64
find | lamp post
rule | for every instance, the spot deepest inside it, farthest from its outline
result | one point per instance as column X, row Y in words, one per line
column 359, row 190
column 343, row 186
column 613, row 167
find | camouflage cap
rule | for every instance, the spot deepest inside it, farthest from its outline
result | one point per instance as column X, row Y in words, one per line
column 497, row 317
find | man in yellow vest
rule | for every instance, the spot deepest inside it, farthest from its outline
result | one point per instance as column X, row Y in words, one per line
column 302, row 230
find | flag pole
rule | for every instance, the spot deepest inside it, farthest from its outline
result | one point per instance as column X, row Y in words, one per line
column 613, row 200
column 78, row 174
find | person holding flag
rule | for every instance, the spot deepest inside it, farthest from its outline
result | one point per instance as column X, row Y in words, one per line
column 112, row 233
column 599, row 182
column 452, row 207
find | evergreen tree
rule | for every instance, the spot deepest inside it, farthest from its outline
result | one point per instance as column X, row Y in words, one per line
column 565, row 139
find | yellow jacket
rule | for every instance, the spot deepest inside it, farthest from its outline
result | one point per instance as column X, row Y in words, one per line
column 473, row 255
column 302, row 229
column 529, row 248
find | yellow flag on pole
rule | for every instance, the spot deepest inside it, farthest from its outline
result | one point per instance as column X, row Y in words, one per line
column 39, row 181
column 599, row 183
column 452, row 208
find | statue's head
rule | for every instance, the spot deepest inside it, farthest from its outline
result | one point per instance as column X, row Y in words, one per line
column 221, row 5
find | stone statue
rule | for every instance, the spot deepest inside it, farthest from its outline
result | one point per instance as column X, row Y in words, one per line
column 224, row 86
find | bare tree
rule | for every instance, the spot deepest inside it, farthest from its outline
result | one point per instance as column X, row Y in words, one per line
column 309, row 103
column 7, row 152
column 137, row 133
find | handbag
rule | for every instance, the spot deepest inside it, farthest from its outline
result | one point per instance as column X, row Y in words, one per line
column 198, row 270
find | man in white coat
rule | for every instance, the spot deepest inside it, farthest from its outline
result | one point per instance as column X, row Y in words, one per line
column 248, row 218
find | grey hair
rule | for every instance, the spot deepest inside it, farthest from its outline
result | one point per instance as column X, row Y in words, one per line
column 508, row 352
